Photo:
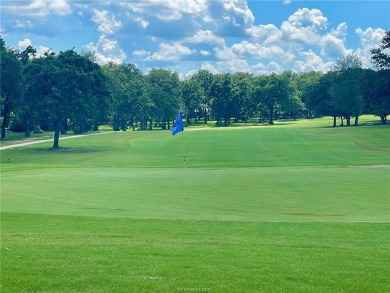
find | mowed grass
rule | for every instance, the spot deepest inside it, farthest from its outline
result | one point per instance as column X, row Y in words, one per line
column 295, row 207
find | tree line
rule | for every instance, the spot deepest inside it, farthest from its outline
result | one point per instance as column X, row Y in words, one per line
column 70, row 91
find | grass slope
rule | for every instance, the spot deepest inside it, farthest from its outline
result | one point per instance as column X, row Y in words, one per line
column 294, row 207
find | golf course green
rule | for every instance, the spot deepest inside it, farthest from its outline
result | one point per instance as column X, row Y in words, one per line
column 294, row 207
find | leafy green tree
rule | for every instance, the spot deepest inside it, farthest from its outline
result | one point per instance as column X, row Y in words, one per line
column 191, row 98
column 305, row 84
column 11, row 84
column 346, row 90
column 376, row 93
column 380, row 56
column 127, row 94
column 204, row 79
column 242, row 93
column 222, row 104
column 65, row 87
column 273, row 91
column 164, row 91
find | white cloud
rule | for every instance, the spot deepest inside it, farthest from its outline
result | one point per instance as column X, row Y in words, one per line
column 234, row 65
column 205, row 36
column 40, row 50
column 38, row 8
column 257, row 50
column 24, row 44
column 332, row 46
column 340, row 31
column 141, row 22
column 304, row 26
column 238, row 12
column 170, row 52
column 224, row 53
column 109, row 45
column 107, row 51
column 209, row 67
column 308, row 18
column 309, row 61
column 107, row 24
column 140, row 53
column 204, row 53
column 20, row 24
column 60, row 7
column 369, row 38
column 264, row 32
column 167, row 10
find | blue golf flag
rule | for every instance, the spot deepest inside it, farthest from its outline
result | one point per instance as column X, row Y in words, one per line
column 178, row 124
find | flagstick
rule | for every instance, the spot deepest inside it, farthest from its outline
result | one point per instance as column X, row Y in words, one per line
column 184, row 154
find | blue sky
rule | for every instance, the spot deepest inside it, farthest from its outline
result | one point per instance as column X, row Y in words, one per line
column 253, row 36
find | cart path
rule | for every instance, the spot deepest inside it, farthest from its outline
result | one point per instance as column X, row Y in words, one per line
column 18, row 145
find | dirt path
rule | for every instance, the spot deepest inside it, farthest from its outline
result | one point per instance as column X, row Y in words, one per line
column 47, row 140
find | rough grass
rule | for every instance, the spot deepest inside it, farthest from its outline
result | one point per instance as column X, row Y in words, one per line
column 294, row 207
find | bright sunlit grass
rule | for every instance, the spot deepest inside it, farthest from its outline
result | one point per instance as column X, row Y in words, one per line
column 300, row 207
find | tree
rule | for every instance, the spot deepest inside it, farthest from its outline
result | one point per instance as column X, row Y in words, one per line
column 273, row 91
column 319, row 97
column 127, row 94
column 164, row 91
column 191, row 98
column 204, row 79
column 346, row 90
column 376, row 93
column 305, row 85
column 222, row 104
column 27, row 110
column 11, row 84
column 65, row 87
column 242, row 92
column 379, row 57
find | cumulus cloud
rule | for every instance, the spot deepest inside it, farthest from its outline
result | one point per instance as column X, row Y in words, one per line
column 23, row 24
column 41, row 50
column 221, row 34
column 205, row 36
column 257, row 50
column 38, row 8
column 369, row 38
column 332, row 46
column 107, row 24
column 309, row 61
column 169, row 52
column 107, row 51
column 209, row 67
column 304, row 26
column 165, row 10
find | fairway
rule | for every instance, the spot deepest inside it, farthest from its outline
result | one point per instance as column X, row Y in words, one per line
column 294, row 207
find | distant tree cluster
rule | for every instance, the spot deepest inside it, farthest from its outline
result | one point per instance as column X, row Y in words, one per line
column 70, row 91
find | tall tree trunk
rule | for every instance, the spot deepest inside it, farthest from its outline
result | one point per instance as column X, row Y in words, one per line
column 334, row 120
column 205, row 115
column 115, row 122
column 58, row 127
column 4, row 124
column 356, row 120
column 348, row 120
column 383, row 119
column 271, row 114
column 27, row 127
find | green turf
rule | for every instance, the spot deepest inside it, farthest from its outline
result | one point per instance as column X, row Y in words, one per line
column 42, row 253
column 295, row 207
